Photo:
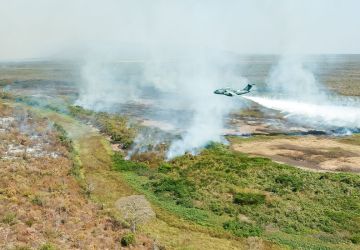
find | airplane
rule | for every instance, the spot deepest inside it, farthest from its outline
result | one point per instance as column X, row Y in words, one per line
column 232, row 92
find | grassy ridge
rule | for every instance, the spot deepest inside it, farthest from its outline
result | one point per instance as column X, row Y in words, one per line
column 253, row 196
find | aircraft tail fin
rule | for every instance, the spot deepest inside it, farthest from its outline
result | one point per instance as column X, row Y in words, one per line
column 248, row 87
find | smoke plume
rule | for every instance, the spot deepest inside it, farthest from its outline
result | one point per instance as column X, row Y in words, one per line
column 293, row 89
column 184, row 88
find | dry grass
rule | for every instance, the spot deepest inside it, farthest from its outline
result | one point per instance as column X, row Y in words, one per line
column 40, row 202
column 310, row 152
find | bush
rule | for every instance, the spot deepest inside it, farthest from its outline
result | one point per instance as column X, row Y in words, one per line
column 63, row 137
column 249, row 199
column 47, row 246
column 180, row 188
column 37, row 201
column 355, row 238
column 164, row 168
column 128, row 239
column 119, row 163
column 293, row 182
column 242, row 229
column 116, row 126
column 9, row 218
column 29, row 222
column 216, row 208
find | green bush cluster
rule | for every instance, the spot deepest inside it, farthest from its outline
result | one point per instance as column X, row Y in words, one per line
column 206, row 189
column 119, row 163
column 128, row 239
column 242, row 229
column 249, row 199
column 116, row 126
column 289, row 181
column 180, row 190
column 47, row 246
column 9, row 218
column 37, row 201
column 164, row 168
column 63, row 137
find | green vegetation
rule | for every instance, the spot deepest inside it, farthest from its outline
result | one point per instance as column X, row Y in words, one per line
column 242, row 229
column 47, row 246
column 66, row 141
column 22, row 248
column 249, row 199
column 353, row 139
column 116, row 126
column 228, row 191
column 63, row 137
column 113, row 125
column 128, row 239
column 9, row 218
column 37, row 201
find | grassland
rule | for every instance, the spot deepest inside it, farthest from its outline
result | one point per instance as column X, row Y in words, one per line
column 219, row 199
column 43, row 202
column 229, row 192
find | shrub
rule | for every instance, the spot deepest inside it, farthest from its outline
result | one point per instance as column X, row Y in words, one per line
column 242, row 229
column 29, row 222
column 216, row 208
column 9, row 218
column 249, row 199
column 119, row 163
column 180, row 188
column 185, row 202
column 37, row 201
column 128, row 239
column 47, row 246
column 79, row 112
column 164, row 168
column 355, row 238
column 63, row 137
column 116, row 126
column 293, row 182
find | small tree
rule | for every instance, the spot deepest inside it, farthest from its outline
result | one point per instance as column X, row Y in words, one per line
column 135, row 210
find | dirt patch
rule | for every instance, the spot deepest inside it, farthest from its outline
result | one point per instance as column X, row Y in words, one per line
column 319, row 153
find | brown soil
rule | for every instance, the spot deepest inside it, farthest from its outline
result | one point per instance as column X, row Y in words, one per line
column 311, row 152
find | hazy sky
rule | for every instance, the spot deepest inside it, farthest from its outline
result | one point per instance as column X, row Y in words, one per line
column 42, row 28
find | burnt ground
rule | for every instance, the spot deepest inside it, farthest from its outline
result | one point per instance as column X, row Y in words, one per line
column 41, row 203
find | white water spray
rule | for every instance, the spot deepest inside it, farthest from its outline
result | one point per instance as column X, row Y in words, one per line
column 294, row 90
column 327, row 114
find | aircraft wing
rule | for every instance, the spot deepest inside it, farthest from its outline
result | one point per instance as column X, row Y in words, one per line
column 230, row 92
column 241, row 92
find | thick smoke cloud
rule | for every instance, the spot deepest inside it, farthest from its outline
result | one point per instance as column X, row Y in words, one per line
column 179, row 86
column 183, row 49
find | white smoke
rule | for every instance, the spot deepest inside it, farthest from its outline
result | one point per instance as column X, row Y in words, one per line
column 103, row 86
column 315, row 114
column 183, row 86
column 294, row 90
column 292, row 79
